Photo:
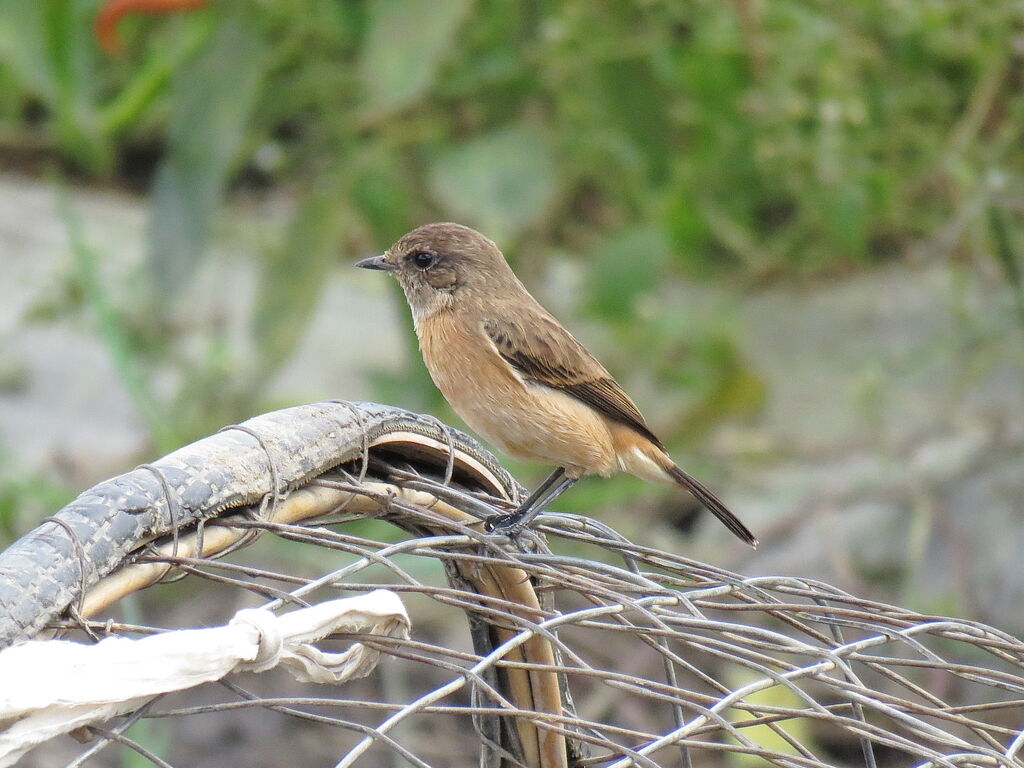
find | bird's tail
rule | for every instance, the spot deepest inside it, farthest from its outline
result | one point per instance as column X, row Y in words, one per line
column 709, row 500
column 639, row 456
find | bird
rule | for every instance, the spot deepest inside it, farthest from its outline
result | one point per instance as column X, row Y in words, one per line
column 518, row 378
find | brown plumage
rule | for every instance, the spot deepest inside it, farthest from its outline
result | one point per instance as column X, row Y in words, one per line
column 516, row 376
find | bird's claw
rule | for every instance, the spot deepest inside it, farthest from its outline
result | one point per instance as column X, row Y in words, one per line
column 507, row 524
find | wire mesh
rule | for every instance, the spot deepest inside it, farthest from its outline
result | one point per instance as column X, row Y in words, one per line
column 578, row 647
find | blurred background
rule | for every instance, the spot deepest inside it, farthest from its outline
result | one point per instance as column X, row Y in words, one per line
column 793, row 230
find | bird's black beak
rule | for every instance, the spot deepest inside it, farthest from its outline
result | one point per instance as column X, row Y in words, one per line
column 377, row 262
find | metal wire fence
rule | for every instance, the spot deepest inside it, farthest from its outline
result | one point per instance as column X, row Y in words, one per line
column 578, row 647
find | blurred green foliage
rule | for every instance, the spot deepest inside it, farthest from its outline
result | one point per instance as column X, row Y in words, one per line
column 653, row 140
column 24, row 499
column 650, row 143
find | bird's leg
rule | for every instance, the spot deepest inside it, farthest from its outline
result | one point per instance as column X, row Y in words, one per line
column 546, row 492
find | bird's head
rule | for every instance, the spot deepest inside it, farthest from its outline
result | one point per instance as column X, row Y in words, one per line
column 444, row 265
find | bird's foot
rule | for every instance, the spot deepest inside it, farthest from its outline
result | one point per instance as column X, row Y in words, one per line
column 520, row 535
column 510, row 524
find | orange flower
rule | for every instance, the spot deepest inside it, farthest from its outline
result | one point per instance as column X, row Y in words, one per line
column 113, row 10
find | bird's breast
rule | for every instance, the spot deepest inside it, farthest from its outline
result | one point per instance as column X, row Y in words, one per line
column 523, row 419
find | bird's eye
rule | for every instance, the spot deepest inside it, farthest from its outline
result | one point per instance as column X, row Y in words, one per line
column 422, row 259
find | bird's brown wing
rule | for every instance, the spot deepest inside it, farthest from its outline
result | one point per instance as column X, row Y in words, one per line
column 546, row 353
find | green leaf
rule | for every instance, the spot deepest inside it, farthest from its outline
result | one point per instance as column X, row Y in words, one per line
column 406, row 44
column 686, row 227
column 293, row 275
column 1007, row 255
column 115, row 334
column 23, row 47
column 211, row 100
column 383, row 194
column 48, row 44
column 845, row 212
column 149, row 80
column 636, row 102
column 500, row 182
column 625, row 267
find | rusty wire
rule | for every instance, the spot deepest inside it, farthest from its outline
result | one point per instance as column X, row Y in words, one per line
column 661, row 660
